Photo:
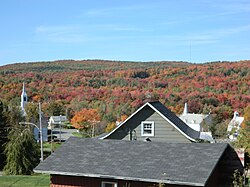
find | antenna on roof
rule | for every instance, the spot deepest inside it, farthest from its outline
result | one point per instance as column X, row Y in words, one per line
column 190, row 54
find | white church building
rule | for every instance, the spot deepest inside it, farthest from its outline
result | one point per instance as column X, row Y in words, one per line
column 24, row 102
column 197, row 122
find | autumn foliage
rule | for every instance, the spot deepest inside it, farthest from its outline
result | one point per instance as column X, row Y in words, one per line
column 116, row 88
column 85, row 118
column 246, row 122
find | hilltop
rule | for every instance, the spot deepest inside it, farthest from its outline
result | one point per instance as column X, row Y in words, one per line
column 116, row 87
column 76, row 65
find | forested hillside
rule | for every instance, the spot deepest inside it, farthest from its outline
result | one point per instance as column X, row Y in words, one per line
column 117, row 88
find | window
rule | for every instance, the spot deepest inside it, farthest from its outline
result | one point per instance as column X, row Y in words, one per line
column 147, row 128
column 109, row 184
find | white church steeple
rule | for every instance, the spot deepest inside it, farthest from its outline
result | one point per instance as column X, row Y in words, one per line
column 185, row 111
column 24, row 98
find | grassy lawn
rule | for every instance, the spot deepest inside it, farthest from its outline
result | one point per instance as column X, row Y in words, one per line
column 25, row 181
column 47, row 145
column 80, row 135
column 77, row 134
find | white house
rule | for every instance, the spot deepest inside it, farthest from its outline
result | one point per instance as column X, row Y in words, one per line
column 57, row 120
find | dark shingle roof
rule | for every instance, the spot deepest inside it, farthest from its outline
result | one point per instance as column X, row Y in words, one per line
column 173, row 163
column 176, row 120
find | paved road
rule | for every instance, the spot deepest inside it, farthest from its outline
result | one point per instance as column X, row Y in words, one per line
column 65, row 133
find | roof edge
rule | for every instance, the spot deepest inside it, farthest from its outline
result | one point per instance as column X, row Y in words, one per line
column 183, row 133
column 166, row 181
column 226, row 146
column 151, row 106
column 107, row 135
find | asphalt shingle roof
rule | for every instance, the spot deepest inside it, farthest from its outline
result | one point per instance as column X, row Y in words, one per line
column 173, row 163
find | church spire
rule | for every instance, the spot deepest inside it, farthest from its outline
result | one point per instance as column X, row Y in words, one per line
column 185, row 111
column 24, row 98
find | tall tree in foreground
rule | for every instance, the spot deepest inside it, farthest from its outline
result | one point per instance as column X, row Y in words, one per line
column 3, row 133
column 21, row 151
column 243, row 140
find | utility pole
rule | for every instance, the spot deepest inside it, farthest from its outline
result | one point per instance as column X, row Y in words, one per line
column 93, row 131
column 60, row 124
column 41, row 130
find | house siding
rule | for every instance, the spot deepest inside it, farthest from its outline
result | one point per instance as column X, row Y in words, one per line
column 76, row 181
column 163, row 130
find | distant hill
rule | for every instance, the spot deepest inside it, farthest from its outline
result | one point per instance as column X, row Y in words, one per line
column 116, row 87
column 73, row 65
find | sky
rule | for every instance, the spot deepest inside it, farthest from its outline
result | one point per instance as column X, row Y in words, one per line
column 196, row 31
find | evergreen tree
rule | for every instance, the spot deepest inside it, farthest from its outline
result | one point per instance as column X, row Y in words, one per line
column 21, row 151
column 3, row 133
column 14, row 115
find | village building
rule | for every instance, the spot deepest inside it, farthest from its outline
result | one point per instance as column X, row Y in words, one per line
column 56, row 121
column 234, row 126
column 115, row 163
column 154, row 122
column 198, row 122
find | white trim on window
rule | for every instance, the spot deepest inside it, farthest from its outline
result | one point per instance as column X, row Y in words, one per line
column 147, row 128
column 114, row 184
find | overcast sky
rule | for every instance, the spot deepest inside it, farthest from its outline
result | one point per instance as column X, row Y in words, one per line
column 134, row 30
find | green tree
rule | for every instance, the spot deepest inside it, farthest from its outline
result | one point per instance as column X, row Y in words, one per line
column 55, row 109
column 243, row 140
column 14, row 115
column 4, row 126
column 9, row 116
column 32, row 112
column 21, row 151
column 219, row 130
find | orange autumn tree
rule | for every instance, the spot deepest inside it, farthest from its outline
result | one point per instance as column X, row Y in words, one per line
column 85, row 119
column 122, row 118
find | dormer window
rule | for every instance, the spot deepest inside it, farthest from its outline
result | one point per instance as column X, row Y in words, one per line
column 147, row 128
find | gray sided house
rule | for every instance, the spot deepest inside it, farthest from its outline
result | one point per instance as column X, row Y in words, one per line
column 154, row 122
column 92, row 162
